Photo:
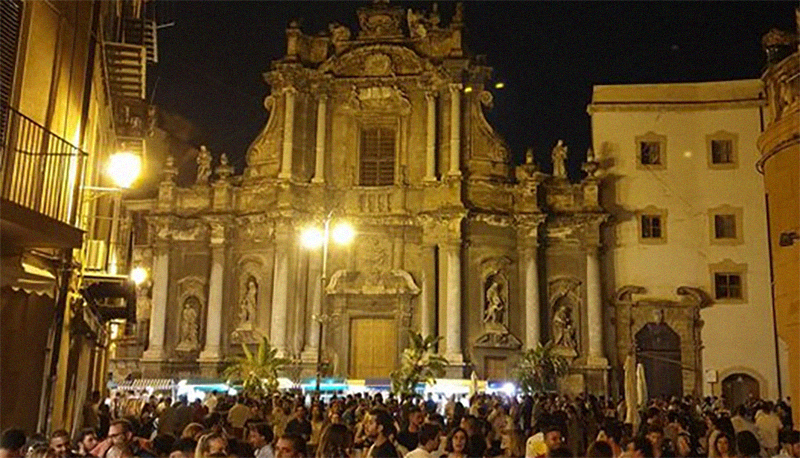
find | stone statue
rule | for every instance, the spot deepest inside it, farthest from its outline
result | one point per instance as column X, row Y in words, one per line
column 458, row 16
column 416, row 24
column 338, row 32
column 203, row 165
column 529, row 156
column 590, row 157
column 247, row 306
column 563, row 328
column 188, row 335
column 495, row 305
column 559, row 155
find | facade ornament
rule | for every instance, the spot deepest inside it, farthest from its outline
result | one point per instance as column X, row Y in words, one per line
column 563, row 327
column 564, row 299
column 495, row 307
column 189, row 325
column 339, row 32
column 529, row 160
column 697, row 296
column 247, row 306
column 203, row 165
column 169, row 172
column 417, row 24
column 558, row 156
column 625, row 294
column 591, row 165
column 458, row 16
column 224, row 169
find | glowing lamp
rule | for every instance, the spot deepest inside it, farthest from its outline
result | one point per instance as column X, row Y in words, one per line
column 124, row 168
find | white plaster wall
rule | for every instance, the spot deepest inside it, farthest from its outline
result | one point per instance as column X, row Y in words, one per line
column 734, row 335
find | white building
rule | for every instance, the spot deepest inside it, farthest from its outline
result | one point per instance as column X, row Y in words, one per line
column 688, row 211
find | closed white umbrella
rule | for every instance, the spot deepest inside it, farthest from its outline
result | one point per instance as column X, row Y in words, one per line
column 641, row 386
column 631, row 416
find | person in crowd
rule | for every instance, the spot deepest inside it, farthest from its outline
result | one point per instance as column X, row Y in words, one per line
column 59, row 443
column 290, row 446
column 790, row 444
column 408, row 437
column 260, row 437
column 428, row 439
column 318, row 423
column 336, row 441
column 86, row 442
column 476, row 441
column 747, row 445
column 183, row 448
column 456, row 444
column 722, row 446
column 238, row 416
column 193, row 431
column 120, row 434
column 211, row 444
column 12, row 443
column 768, row 424
column 299, row 424
column 553, row 437
column 599, row 449
column 640, row 447
column 612, row 434
column 379, row 427
column 162, row 444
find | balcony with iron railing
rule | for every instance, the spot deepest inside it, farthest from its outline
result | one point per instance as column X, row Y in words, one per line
column 41, row 171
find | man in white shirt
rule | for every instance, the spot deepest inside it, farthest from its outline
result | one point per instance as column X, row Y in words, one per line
column 768, row 425
column 429, row 435
column 260, row 437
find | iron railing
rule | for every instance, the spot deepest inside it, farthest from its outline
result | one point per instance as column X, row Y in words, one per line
column 40, row 170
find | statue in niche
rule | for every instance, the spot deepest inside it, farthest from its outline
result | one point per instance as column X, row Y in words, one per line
column 247, row 306
column 189, row 329
column 563, row 327
column 495, row 305
column 558, row 156
column 203, row 165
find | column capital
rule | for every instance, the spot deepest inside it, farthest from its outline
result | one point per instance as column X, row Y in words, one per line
column 455, row 87
column 430, row 96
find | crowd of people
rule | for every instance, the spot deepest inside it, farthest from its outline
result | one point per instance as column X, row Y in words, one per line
column 291, row 425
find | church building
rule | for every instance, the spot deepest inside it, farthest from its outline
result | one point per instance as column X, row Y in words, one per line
column 382, row 127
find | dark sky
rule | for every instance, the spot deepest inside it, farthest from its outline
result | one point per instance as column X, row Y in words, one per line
column 548, row 54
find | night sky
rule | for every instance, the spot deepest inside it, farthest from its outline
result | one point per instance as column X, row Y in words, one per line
column 548, row 55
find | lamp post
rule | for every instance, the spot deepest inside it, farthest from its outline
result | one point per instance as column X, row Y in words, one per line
column 313, row 238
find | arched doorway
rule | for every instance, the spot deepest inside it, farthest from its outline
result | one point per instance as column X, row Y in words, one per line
column 658, row 349
column 738, row 387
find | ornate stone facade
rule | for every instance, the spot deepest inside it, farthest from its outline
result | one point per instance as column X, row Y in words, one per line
column 385, row 128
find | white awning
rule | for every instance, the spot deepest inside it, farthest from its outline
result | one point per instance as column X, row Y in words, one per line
column 27, row 273
column 155, row 384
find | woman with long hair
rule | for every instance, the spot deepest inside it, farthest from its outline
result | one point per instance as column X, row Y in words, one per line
column 722, row 446
column 336, row 441
column 456, row 444
column 213, row 443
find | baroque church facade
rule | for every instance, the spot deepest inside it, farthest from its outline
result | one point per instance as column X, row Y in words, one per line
column 382, row 127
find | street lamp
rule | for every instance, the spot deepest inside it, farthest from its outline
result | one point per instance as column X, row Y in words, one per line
column 313, row 238
column 124, row 168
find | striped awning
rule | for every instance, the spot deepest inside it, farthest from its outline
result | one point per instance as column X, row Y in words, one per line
column 156, row 384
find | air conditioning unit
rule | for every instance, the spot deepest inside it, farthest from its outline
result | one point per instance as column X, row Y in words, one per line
column 95, row 254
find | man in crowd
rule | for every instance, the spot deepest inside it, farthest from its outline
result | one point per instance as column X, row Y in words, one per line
column 476, row 442
column 409, row 436
column 429, row 435
column 87, row 440
column 238, row 416
column 768, row 425
column 290, row 446
column 120, row 435
column 12, row 443
column 260, row 438
column 59, row 443
column 299, row 424
column 379, row 426
column 790, row 439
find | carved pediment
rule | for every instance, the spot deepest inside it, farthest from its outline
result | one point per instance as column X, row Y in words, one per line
column 379, row 98
column 395, row 281
column 376, row 61
column 262, row 155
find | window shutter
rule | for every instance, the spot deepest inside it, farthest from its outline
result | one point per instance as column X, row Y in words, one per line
column 10, row 19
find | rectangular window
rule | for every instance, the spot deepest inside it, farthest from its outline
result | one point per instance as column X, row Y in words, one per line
column 728, row 285
column 725, row 226
column 650, row 153
column 721, row 151
column 651, row 226
column 377, row 156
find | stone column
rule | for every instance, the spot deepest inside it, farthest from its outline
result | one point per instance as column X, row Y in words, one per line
column 427, row 303
column 158, row 310
column 594, row 308
column 453, row 334
column 314, row 294
column 319, row 165
column 280, row 294
column 288, row 134
column 532, row 307
column 211, row 351
column 430, row 138
column 455, row 130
